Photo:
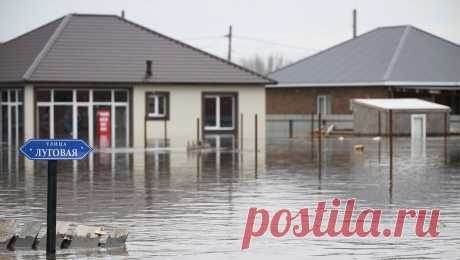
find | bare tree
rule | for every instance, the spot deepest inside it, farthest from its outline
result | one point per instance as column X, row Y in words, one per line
column 263, row 65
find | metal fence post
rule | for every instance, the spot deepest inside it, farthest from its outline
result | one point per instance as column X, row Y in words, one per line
column 242, row 131
column 256, row 139
column 391, row 139
column 197, row 130
column 312, row 126
column 319, row 140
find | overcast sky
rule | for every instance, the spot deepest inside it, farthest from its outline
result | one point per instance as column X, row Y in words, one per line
column 291, row 28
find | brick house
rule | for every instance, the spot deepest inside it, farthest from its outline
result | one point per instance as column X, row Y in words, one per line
column 397, row 61
column 304, row 100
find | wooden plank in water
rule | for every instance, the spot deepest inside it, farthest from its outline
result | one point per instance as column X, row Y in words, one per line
column 27, row 237
column 7, row 232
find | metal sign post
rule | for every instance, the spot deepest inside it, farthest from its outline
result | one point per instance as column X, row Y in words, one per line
column 53, row 150
column 51, row 208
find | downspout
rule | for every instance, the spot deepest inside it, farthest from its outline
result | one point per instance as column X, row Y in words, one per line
column 391, row 92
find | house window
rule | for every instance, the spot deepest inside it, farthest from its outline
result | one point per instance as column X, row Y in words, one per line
column 11, row 117
column 323, row 105
column 219, row 112
column 157, row 105
column 83, row 114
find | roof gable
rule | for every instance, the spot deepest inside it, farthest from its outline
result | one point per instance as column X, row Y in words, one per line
column 387, row 54
column 107, row 48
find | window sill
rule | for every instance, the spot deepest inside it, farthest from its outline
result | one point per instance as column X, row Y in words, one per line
column 157, row 118
column 219, row 128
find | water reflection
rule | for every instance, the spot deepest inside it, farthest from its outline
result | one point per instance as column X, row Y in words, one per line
column 193, row 204
column 418, row 146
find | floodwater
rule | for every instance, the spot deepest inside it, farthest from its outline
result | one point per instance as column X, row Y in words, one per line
column 180, row 205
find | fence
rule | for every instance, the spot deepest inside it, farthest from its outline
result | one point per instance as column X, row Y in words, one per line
column 300, row 125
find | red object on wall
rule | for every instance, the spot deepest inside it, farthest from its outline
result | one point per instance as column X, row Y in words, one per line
column 103, row 127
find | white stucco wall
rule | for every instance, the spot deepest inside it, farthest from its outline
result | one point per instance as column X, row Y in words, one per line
column 29, row 108
column 185, row 108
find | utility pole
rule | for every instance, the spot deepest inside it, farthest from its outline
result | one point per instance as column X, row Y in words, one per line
column 229, row 36
column 354, row 23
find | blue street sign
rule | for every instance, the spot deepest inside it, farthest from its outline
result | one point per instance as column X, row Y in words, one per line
column 55, row 149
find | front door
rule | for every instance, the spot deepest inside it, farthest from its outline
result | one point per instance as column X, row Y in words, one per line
column 418, row 126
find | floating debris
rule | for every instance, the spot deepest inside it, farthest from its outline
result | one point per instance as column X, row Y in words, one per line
column 341, row 138
column 198, row 146
column 33, row 236
column 7, row 232
column 330, row 129
column 377, row 138
column 358, row 147
column 117, row 238
column 63, row 236
column 27, row 237
column 87, row 236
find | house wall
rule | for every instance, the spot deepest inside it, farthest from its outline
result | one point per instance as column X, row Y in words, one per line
column 303, row 100
column 185, row 108
column 29, row 108
column 449, row 98
column 366, row 121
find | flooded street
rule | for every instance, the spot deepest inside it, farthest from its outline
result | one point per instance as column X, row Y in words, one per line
column 180, row 205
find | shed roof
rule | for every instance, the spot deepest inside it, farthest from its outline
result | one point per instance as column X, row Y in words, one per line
column 400, row 104
column 397, row 56
column 108, row 48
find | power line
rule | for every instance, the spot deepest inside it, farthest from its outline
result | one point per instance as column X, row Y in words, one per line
column 203, row 38
column 270, row 42
column 246, row 38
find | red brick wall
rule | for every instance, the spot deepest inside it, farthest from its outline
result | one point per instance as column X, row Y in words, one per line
column 303, row 100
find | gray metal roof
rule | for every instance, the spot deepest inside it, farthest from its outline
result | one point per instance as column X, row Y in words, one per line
column 18, row 54
column 396, row 55
column 108, row 48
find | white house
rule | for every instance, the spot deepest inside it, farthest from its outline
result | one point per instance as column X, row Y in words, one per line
column 115, row 83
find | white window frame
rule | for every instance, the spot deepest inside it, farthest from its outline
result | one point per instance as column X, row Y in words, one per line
column 9, row 110
column 90, row 104
column 217, row 127
column 156, row 113
column 217, row 139
column 325, row 109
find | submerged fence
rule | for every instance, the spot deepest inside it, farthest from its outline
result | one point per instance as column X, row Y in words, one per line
column 300, row 125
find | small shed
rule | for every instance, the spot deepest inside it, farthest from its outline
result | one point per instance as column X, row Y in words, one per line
column 415, row 117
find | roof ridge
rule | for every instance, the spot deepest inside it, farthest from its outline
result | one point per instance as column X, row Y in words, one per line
column 97, row 15
column 270, row 81
column 436, row 36
column 47, row 47
column 423, row 31
column 394, row 26
column 396, row 54
column 323, row 51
